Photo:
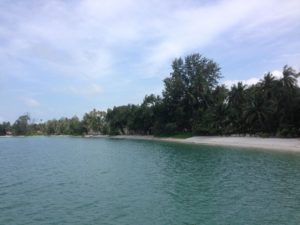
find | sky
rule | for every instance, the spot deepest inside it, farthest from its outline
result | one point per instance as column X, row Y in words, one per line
column 64, row 58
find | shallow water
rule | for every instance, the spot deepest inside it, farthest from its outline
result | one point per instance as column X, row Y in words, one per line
column 65, row 180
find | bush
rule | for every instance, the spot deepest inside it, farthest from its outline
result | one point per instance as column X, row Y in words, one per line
column 287, row 131
column 199, row 129
column 160, row 129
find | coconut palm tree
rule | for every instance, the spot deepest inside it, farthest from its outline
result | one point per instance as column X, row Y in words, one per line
column 287, row 99
column 289, row 79
column 236, row 104
column 257, row 111
column 269, row 88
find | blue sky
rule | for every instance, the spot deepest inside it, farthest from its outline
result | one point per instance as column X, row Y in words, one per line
column 64, row 58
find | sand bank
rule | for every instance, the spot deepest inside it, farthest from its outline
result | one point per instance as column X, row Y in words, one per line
column 278, row 144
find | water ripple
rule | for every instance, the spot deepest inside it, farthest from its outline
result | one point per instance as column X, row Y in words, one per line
column 103, row 181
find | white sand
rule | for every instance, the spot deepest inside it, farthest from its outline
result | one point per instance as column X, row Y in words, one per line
column 279, row 144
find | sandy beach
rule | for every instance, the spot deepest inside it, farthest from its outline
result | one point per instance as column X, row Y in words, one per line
column 277, row 144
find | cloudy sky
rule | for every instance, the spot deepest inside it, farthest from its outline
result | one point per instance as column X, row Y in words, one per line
column 61, row 58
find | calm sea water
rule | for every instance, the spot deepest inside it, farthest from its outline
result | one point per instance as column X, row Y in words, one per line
column 65, row 180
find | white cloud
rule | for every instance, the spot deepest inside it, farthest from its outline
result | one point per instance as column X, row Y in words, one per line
column 91, row 38
column 250, row 81
column 74, row 45
column 276, row 73
column 33, row 103
column 83, row 90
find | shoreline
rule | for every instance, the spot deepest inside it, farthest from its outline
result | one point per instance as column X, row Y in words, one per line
column 256, row 143
column 272, row 144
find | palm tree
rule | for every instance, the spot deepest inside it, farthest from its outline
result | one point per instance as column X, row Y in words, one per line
column 269, row 87
column 236, row 103
column 287, row 100
column 289, row 79
column 267, row 84
column 257, row 112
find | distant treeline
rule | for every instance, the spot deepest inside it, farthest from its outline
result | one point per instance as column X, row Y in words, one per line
column 192, row 102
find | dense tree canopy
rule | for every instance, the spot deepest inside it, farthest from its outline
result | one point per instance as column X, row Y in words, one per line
column 21, row 126
column 5, row 128
column 94, row 122
column 192, row 102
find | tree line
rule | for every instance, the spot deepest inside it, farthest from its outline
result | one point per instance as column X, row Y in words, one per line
column 192, row 102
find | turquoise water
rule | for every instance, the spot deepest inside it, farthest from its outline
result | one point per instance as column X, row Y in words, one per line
column 65, row 180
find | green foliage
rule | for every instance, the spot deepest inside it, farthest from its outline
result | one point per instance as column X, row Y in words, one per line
column 120, row 118
column 64, row 126
column 4, row 128
column 21, row 126
column 183, row 135
column 94, row 122
column 192, row 102
column 187, row 90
